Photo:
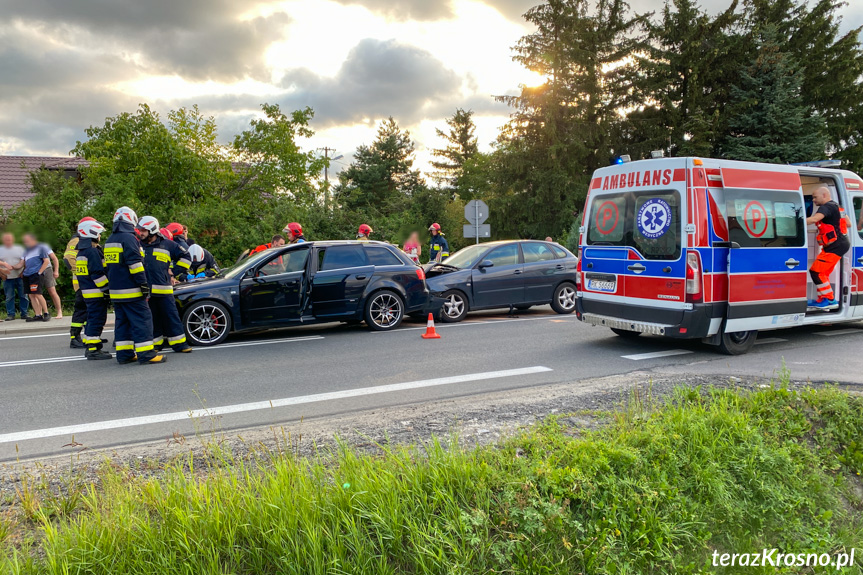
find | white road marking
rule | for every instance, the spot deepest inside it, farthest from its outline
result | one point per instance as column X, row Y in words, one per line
column 46, row 335
column 769, row 340
column 655, row 354
column 440, row 324
column 260, row 405
column 197, row 349
column 839, row 332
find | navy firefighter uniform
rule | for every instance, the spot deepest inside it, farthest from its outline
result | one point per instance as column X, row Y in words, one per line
column 159, row 254
column 79, row 315
column 127, row 281
column 90, row 273
column 203, row 263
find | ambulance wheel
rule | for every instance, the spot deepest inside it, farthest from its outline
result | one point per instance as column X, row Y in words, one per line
column 454, row 306
column 737, row 342
column 625, row 333
column 563, row 301
column 207, row 323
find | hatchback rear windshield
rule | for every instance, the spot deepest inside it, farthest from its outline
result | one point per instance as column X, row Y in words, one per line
column 646, row 221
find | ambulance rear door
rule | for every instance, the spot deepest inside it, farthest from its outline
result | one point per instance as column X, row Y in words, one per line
column 767, row 262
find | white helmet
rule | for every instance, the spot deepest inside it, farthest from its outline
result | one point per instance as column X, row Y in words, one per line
column 90, row 229
column 149, row 224
column 196, row 252
column 127, row 215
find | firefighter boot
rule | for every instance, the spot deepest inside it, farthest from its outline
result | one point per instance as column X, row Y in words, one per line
column 75, row 341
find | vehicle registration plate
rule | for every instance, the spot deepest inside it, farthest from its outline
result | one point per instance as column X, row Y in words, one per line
column 602, row 285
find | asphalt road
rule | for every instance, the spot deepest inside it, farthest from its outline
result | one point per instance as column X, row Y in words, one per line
column 51, row 398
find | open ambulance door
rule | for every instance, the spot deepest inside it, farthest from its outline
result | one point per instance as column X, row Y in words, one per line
column 855, row 234
column 767, row 262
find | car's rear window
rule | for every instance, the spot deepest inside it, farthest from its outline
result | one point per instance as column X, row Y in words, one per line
column 646, row 221
column 536, row 252
column 379, row 256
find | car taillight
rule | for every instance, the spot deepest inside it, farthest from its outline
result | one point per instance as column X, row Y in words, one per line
column 693, row 277
column 421, row 274
column 578, row 269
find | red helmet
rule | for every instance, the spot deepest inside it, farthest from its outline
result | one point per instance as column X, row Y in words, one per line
column 166, row 233
column 365, row 230
column 176, row 229
column 294, row 229
column 435, row 226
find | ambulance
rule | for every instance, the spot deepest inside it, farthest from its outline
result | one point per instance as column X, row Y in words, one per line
column 717, row 250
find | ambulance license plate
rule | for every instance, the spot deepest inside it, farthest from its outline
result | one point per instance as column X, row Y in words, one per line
column 602, row 283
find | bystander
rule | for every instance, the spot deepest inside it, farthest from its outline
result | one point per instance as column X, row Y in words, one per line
column 12, row 261
column 36, row 261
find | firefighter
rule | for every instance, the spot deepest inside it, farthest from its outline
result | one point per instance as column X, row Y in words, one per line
column 178, row 236
column 203, row 263
column 295, row 233
column 127, row 281
column 277, row 242
column 439, row 248
column 90, row 274
column 159, row 254
column 79, row 315
column 364, row 232
column 832, row 236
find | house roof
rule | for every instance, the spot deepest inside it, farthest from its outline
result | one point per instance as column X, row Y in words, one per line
column 14, row 171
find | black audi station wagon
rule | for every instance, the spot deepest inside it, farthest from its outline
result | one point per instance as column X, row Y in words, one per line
column 307, row 283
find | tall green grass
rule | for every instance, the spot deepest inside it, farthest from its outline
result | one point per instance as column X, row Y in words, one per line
column 654, row 491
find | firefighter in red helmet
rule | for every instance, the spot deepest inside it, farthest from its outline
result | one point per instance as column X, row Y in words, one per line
column 439, row 248
column 364, row 232
column 295, row 233
column 832, row 236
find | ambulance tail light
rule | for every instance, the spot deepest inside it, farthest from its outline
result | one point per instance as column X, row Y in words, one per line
column 694, row 292
column 578, row 270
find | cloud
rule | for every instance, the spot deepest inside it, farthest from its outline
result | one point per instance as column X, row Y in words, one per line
column 196, row 39
column 404, row 10
column 377, row 79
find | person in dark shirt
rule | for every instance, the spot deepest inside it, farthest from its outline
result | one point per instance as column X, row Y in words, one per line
column 833, row 239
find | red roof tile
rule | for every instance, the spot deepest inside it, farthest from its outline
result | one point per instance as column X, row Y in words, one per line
column 14, row 183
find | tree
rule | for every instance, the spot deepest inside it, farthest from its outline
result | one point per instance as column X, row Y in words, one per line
column 269, row 158
column 461, row 147
column 768, row 120
column 381, row 179
column 561, row 131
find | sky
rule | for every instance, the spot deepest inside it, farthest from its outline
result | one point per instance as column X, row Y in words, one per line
column 68, row 64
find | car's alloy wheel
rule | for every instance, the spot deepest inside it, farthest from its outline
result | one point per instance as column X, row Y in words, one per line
column 384, row 311
column 207, row 323
column 564, row 299
column 454, row 306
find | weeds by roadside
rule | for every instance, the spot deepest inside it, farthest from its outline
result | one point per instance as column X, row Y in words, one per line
column 654, row 491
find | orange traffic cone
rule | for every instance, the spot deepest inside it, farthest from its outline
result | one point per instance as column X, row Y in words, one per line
column 430, row 332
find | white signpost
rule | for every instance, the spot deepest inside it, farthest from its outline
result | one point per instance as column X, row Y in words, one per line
column 476, row 212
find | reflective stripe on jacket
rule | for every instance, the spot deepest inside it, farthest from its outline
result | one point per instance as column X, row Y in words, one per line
column 90, row 269
column 124, row 260
column 158, row 258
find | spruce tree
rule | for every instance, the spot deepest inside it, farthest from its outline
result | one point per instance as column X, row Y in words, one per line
column 767, row 119
column 461, row 146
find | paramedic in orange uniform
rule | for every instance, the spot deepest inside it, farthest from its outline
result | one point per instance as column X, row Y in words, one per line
column 833, row 238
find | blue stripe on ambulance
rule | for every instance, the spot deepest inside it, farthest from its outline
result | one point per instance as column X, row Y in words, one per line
column 766, row 260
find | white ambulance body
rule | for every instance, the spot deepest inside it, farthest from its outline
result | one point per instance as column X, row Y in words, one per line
column 712, row 249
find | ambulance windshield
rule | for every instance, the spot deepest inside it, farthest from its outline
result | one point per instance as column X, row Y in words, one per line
column 645, row 221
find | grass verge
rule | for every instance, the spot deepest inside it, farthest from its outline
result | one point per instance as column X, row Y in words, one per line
column 657, row 490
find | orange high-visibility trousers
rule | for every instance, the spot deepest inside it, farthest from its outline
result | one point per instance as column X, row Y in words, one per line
column 820, row 271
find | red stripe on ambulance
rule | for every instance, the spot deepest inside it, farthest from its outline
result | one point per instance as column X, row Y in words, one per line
column 766, row 287
column 760, row 179
column 654, row 288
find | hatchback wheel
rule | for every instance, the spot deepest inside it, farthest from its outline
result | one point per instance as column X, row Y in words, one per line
column 454, row 306
column 563, row 301
column 384, row 311
column 207, row 323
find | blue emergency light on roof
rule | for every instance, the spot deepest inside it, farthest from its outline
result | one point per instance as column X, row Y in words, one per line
column 622, row 159
column 820, row 164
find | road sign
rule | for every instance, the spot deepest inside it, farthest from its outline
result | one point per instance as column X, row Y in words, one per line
column 477, row 231
column 476, row 212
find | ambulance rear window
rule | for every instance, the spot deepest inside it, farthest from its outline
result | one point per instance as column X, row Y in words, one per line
column 646, row 221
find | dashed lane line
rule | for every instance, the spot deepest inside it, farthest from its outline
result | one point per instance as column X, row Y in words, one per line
column 656, row 354
column 839, row 332
column 46, row 360
column 263, row 405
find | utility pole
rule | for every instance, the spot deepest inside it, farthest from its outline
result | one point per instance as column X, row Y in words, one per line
column 327, row 152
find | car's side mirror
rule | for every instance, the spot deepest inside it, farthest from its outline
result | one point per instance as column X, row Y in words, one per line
column 486, row 264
